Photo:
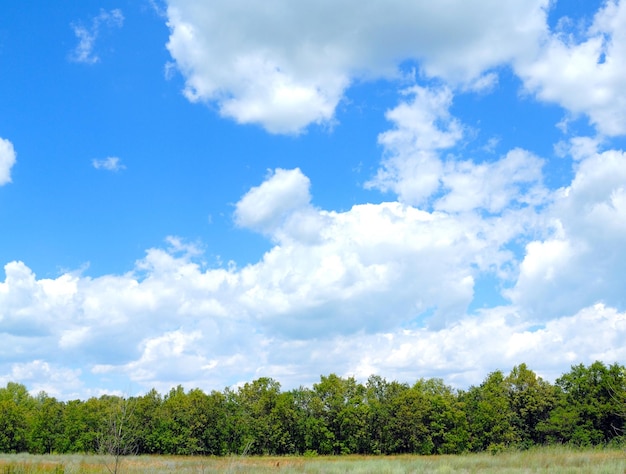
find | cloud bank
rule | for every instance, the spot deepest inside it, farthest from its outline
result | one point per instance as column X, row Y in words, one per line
column 380, row 288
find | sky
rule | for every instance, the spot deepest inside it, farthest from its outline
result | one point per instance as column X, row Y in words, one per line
column 204, row 193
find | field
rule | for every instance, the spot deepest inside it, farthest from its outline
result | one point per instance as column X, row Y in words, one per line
column 544, row 460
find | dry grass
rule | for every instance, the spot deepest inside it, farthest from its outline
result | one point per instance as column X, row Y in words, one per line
column 543, row 460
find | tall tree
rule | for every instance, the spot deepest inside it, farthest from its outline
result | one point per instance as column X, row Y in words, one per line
column 214, row 435
column 339, row 405
column 531, row 400
column 178, row 427
column 16, row 409
column 446, row 420
column 46, row 428
column 489, row 415
column 380, row 396
column 587, row 411
column 257, row 401
column 146, row 422
column 409, row 422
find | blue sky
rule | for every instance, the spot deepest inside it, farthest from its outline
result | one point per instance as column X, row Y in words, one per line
column 204, row 193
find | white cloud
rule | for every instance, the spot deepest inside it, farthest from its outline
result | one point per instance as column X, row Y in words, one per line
column 493, row 186
column 285, row 64
column 7, row 160
column 413, row 166
column 111, row 163
column 38, row 375
column 264, row 208
column 464, row 352
column 582, row 261
column 422, row 127
column 87, row 35
column 585, row 75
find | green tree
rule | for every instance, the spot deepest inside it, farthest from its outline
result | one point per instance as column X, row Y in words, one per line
column 82, row 423
column 339, row 414
column 284, row 433
column 214, row 436
column 409, row 422
column 265, row 417
column 587, row 409
column 531, row 400
column 179, row 428
column 145, row 423
column 16, row 410
column 445, row 419
column 312, row 434
column 379, row 396
column 46, row 431
column 489, row 415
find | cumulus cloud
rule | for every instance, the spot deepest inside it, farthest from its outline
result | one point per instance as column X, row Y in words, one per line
column 264, row 208
column 87, row 35
column 423, row 126
column 111, row 163
column 416, row 168
column 582, row 260
column 493, row 339
column 235, row 328
column 7, row 160
column 285, row 65
column 585, row 73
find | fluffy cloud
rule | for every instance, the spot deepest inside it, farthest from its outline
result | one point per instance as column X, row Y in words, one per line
column 582, row 261
column 266, row 207
column 415, row 168
column 422, row 127
column 7, row 160
column 285, row 65
column 87, row 35
column 227, row 333
column 585, row 73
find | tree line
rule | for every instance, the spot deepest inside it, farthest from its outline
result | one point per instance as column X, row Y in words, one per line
column 585, row 406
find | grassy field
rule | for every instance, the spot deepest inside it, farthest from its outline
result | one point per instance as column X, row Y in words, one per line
column 544, row 460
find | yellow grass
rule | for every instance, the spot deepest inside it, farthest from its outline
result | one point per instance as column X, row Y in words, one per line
column 542, row 460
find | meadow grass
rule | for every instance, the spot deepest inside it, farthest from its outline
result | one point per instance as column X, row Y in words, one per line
column 550, row 460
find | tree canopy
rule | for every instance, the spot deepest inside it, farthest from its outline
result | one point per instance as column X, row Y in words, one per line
column 337, row 415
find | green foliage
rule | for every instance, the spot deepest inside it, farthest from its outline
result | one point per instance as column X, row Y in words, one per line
column 590, row 405
column 531, row 400
column 586, row 406
column 145, row 420
column 16, row 409
column 490, row 417
column 47, row 425
column 447, row 424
